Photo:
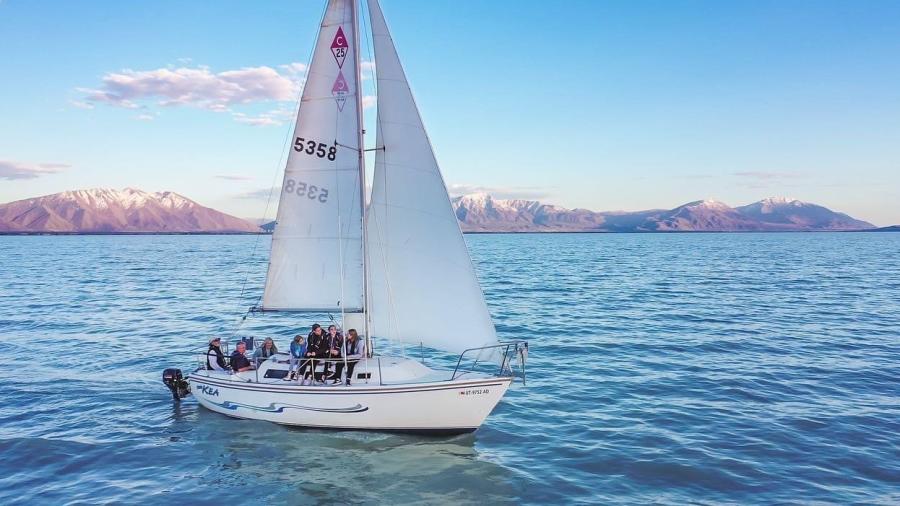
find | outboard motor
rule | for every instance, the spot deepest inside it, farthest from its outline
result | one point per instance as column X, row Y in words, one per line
column 174, row 380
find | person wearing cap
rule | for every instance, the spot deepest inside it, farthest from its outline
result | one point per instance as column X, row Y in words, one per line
column 215, row 359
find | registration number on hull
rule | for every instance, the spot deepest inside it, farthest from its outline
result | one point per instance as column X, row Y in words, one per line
column 475, row 391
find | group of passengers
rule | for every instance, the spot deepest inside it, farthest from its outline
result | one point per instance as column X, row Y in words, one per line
column 319, row 347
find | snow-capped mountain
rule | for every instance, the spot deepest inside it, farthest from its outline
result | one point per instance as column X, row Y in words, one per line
column 103, row 210
column 794, row 213
column 702, row 215
column 482, row 213
column 135, row 211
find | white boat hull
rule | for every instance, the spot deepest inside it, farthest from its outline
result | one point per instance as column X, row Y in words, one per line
column 437, row 407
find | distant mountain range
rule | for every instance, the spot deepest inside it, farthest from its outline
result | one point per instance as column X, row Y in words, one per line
column 892, row 228
column 481, row 213
column 136, row 211
column 103, row 210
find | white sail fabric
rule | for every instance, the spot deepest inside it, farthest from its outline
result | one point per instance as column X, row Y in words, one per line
column 316, row 261
column 422, row 284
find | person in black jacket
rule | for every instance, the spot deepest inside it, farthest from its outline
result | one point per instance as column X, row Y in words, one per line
column 239, row 362
column 333, row 342
column 215, row 359
column 316, row 347
column 354, row 349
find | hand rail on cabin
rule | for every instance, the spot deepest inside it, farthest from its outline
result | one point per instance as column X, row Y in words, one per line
column 503, row 363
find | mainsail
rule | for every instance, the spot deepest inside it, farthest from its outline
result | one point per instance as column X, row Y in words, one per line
column 316, row 263
column 422, row 286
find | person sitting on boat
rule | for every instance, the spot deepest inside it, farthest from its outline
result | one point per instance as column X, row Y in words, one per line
column 316, row 347
column 239, row 362
column 215, row 359
column 265, row 352
column 353, row 349
column 333, row 340
column 298, row 351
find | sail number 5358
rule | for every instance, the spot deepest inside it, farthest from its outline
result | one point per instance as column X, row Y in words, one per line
column 319, row 149
column 310, row 191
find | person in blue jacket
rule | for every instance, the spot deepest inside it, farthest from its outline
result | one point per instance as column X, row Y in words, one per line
column 298, row 350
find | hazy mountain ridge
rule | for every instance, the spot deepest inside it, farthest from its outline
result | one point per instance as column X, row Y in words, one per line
column 482, row 213
column 135, row 211
column 102, row 210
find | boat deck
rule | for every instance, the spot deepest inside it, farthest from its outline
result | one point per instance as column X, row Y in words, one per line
column 377, row 370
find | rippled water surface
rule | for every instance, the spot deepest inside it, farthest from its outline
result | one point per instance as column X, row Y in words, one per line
column 706, row 368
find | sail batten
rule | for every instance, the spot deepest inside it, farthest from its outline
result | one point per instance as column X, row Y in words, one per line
column 423, row 286
column 317, row 257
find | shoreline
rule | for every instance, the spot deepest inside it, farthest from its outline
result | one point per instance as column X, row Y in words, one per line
column 479, row 232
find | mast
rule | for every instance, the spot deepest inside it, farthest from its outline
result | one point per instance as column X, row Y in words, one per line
column 362, row 167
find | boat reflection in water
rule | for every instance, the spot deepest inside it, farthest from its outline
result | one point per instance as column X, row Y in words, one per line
column 310, row 465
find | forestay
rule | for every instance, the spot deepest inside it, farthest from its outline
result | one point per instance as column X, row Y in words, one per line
column 316, row 261
column 423, row 287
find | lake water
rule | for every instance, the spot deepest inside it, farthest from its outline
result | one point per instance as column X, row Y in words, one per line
column 705, row 368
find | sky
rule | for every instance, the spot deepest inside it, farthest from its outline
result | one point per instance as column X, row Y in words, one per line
column 604, row 105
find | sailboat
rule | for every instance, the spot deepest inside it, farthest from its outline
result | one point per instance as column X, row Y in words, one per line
column 397, row 268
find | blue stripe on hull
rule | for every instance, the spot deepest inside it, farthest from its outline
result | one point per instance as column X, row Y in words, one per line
column 320, row 390
column 278, row 407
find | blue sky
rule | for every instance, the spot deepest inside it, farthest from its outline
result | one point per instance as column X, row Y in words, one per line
column 602, row 105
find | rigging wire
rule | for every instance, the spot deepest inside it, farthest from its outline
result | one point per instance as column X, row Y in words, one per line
column 369, row 44
column 278, row 168
column 393, row 319
column 363, row 27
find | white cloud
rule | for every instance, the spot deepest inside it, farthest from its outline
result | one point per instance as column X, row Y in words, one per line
column 260, row 120
column 367, row 69
column 196, row 87
column 260, row 194
column 81, row 105
column 500, row 192
column 295, row 68
column 231, row 177
column 21, row 170
column 200, row 87
column 763, row 175
column 274, row 117
column 767, row 179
